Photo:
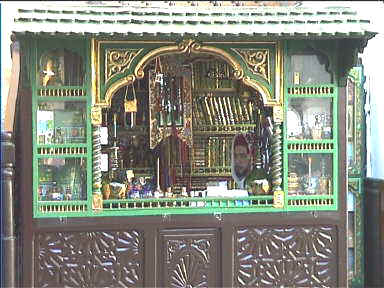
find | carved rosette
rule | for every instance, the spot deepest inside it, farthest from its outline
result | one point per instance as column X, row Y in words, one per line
column 118, row 60
column 189, row 259
column 257, row 61
column 190, row 271
column 187, row 46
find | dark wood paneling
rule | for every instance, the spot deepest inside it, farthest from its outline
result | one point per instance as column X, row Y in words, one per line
column 89, row 259
column 189, row 258
column 374, row 232
column 213, row 253
column 239, row 248
column 285, row 256
column 24, row 184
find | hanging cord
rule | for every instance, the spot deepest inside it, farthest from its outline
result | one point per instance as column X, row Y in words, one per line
column 158, row 67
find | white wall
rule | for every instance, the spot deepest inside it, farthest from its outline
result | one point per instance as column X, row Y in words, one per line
column 373, row 61
column 8, row 10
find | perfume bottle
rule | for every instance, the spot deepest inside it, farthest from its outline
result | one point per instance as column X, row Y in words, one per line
column 324, row 179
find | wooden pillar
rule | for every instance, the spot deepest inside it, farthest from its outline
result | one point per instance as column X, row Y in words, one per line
column 8, row 238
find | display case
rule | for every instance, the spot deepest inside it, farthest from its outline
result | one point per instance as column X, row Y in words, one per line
column 60, row 133
column 168, row 138
column 311, row 147
column 174, row 148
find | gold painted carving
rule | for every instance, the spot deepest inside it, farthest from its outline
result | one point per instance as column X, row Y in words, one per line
column 257, row 61
column 96, row 115
column 261, row 88
column 186, row 46
column 95, row 71
column 278, row 199
column 278, row 115
column 189, row 46
column 97, row 201
column 116, row 86
column 118, row 60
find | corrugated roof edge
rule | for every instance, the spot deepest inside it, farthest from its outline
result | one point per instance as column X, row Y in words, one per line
column 142, row 11
column 198, row 9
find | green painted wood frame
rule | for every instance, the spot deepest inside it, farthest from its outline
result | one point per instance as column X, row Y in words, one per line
column 355, row 186
column 89, row 86
column 38, row 48
column 300, row 91
column 139, row 53
column 356, row 159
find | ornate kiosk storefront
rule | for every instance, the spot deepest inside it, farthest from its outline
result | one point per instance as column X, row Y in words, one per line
column 179, row 147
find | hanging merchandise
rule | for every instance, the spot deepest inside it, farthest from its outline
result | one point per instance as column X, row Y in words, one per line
column 159, row 71
column 170, row 103
column 130, row 106
column 159, row 79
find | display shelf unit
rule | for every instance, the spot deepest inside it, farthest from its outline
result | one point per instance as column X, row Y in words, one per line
column 62, row 159
column 311, row 147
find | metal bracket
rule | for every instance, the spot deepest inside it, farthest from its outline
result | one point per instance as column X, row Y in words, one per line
column 166, row 217
column 63, row 220
column 218, row 216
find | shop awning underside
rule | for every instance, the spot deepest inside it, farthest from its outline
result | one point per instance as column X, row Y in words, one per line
column 225, row 22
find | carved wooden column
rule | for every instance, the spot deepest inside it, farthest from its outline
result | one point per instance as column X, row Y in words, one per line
column 277, row 163
column 97, row 201
column 8, row 238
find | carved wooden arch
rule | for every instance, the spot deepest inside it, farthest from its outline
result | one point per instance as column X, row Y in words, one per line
column 187, row 47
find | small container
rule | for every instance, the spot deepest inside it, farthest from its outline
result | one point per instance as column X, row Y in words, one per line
column 317, row 133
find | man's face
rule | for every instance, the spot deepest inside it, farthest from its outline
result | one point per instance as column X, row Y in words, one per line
column 242, row 161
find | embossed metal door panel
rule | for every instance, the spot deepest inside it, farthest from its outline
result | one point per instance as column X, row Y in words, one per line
column 189, row 258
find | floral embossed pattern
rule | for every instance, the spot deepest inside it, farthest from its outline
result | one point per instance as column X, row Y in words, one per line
column 294, row 256
column 90, row 259
column 190, row 258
